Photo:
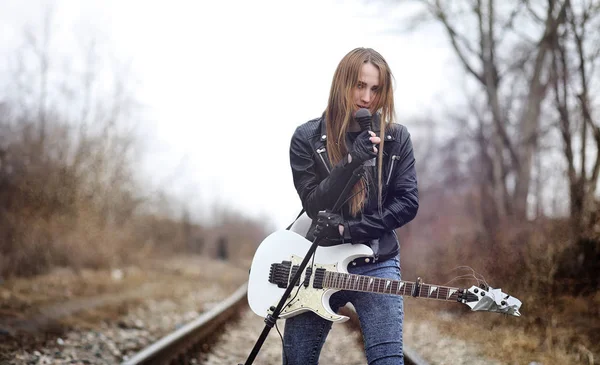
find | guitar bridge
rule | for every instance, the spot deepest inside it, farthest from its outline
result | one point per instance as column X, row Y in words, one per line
column 279, row 274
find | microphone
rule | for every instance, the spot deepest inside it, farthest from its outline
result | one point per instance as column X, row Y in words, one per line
column 363, row 118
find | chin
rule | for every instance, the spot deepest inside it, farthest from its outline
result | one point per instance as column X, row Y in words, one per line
column 359, row 107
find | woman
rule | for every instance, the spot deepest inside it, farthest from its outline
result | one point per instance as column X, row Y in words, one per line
column 325, row 154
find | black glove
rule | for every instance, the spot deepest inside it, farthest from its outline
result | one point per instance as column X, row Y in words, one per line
column 362, row 149
column 328, row 225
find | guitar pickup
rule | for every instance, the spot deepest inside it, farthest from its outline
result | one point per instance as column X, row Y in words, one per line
column 294, row 271
column 308, row 273
column 319, row 278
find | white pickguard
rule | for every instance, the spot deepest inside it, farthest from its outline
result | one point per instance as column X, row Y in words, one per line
column 290, row 246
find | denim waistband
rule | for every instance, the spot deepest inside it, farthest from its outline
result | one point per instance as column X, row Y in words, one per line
column 368, row 260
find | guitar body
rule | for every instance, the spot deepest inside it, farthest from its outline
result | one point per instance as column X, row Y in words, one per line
column 289, row 246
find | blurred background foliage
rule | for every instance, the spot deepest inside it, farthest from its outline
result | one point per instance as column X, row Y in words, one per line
column 70, row 189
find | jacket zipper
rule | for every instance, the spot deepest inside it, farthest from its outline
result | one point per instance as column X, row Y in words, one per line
column 394, row 158
column 320, row 152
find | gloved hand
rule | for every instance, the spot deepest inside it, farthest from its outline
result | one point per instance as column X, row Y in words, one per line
column 328, row 225
column 362, row 149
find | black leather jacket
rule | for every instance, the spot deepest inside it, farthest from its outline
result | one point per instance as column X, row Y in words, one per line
column 319, row 184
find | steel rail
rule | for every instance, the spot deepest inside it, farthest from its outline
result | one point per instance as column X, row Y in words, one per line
column 177, row 345
column 182, row 344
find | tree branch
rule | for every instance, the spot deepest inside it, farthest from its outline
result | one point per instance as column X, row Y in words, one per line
column 486, row 43
column 533, row 13
column 442, row 16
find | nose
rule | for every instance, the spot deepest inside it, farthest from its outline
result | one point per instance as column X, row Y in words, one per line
column 366, row 96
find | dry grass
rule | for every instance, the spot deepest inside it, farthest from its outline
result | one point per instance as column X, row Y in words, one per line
column 536, row 262
column 510, row 340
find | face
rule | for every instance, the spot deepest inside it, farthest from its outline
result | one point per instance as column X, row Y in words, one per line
column 365, row 93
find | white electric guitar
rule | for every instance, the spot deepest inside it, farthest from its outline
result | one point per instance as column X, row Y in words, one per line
column 279, row 255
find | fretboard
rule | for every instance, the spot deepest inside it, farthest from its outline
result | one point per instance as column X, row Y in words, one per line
column 338, row 280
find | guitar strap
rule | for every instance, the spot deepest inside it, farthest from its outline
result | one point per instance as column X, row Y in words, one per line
column 291, row 224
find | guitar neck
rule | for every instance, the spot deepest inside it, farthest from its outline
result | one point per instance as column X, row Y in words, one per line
column 343, row 281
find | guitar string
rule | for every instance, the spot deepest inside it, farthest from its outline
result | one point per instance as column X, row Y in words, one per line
column 479, row 278
column 346, row 281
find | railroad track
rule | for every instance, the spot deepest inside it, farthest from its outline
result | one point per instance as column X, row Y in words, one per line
column 189, row 344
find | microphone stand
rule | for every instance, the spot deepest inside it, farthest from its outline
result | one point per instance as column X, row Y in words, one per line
column 271, row 319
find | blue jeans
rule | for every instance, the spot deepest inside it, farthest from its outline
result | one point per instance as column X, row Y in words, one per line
column 380, row 316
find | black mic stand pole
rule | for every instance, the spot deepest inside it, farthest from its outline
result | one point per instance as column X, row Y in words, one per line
column 271, row 319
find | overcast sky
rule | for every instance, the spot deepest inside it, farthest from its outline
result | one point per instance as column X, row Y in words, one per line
column 225, row 83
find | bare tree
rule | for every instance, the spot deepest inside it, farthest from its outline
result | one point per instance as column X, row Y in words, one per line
column 576, row 54
column 509, row 66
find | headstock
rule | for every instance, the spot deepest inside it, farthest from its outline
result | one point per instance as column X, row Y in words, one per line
column 489, row 299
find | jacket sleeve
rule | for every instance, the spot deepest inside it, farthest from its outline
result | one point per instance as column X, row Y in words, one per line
column 316, row 195
column 402, row 202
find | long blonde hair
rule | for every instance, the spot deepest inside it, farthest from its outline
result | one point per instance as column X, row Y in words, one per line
column 338, row 114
